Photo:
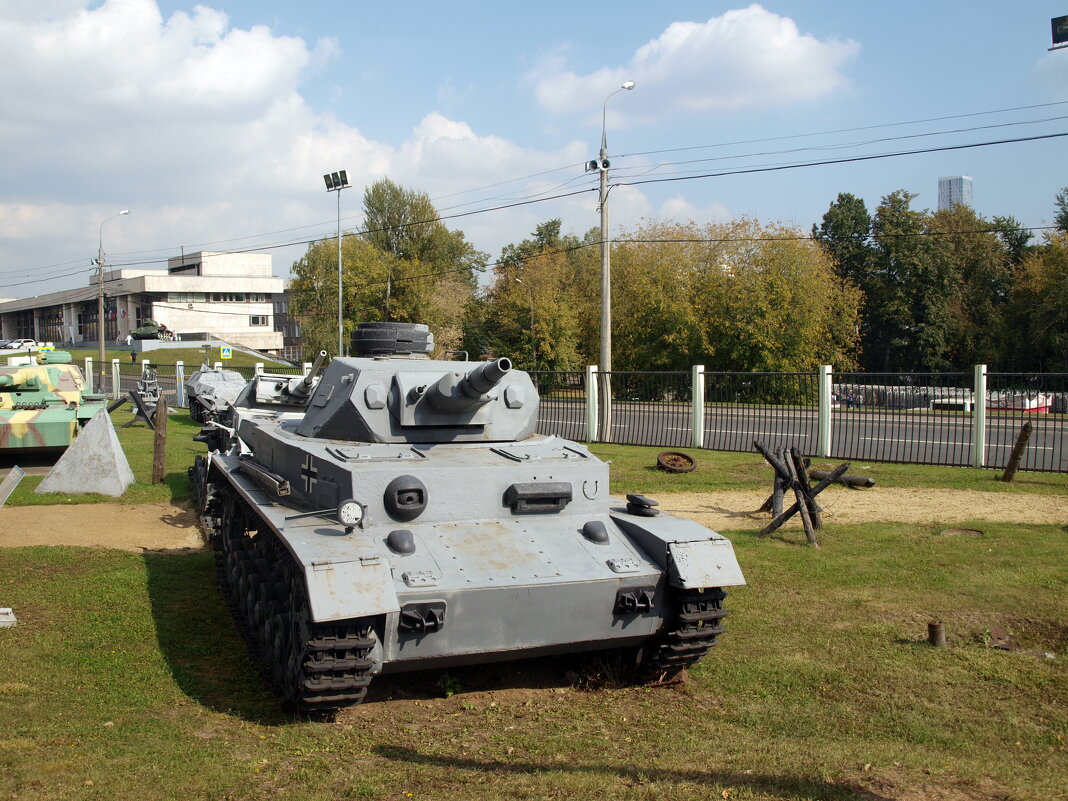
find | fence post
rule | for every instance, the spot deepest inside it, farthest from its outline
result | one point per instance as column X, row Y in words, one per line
column 89, row 374
column 591, row 403
column 823, row 426
column 116, row 385
column 306, row 367
column 179, row 384
column 259, row 368
column 698, row 403
column 979, row 418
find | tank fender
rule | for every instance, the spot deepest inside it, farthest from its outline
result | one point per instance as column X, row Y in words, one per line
column 342, row 590
column 693, row 556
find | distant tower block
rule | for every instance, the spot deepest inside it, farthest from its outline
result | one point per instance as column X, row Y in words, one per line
column 954, row 190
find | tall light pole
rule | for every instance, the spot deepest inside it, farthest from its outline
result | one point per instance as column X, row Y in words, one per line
column 100, row 297
column 601, row 164
column 335, row 182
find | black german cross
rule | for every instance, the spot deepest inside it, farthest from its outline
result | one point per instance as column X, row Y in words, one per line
column 310, row 473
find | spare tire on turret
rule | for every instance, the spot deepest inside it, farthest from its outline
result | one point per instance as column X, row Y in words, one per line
column 384, row 339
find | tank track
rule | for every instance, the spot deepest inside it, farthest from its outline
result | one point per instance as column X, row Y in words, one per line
column 317, row 668
column 692, row 631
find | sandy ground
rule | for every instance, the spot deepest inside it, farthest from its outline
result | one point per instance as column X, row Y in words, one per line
column 163, row 526
column 151, row 526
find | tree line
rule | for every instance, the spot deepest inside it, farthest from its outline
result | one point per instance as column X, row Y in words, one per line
column 896, row 290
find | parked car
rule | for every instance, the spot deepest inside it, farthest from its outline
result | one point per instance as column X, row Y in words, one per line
column 20, row 344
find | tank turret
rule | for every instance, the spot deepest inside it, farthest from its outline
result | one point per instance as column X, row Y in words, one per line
column 421, row 400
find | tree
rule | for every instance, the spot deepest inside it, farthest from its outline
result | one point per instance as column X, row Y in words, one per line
column 1038, row 308
column 739, row 296
column 532, row 308
column 909, row 293
column 1061, row 203
column 845, row 234
column 982, row 277
column 313, row 290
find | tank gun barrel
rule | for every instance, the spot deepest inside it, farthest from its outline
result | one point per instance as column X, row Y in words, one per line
column 303, row 387
column 484, row 377
column 455, row 391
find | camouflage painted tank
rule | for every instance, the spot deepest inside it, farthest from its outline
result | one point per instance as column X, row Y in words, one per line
column 402, row 514
column 42, row 406
column 212, row 391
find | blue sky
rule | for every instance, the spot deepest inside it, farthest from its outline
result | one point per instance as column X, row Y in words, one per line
column 213, row 123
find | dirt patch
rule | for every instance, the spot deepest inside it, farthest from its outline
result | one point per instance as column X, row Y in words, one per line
column 144, row 527
column 735, row 510
column 165, row 526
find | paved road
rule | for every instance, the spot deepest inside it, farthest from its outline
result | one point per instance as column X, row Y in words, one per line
column 920, row 437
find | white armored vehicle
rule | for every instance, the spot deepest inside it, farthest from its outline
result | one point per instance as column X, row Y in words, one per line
column 401, row 514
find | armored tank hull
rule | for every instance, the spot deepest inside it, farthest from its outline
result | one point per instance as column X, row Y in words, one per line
column 43, row 405
column 211, row 392
column 409, row 518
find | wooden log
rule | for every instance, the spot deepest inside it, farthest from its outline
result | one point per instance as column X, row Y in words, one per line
column 778, row 488
column 802, row 502
column 852, row 481
column 773, row 460
column 1018, row 451
column 793, row 510
column 159, row 444
column 806, row 489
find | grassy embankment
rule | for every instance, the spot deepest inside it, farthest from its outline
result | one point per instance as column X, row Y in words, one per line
column 125, row 678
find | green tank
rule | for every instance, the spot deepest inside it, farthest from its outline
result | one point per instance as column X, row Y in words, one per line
column 43, row 405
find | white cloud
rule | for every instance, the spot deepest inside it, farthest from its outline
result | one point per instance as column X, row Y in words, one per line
column 680, row 209
column 1051, row 72
column 202, row 130
column 746, row 57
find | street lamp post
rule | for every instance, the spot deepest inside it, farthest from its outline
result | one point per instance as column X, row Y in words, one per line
column 601, row 165
column 100, row 298
column 335, row 182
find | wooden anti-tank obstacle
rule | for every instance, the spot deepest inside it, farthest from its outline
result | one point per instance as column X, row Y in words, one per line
column 790, row 472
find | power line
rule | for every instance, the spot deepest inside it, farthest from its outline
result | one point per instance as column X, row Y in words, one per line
column 844, row 160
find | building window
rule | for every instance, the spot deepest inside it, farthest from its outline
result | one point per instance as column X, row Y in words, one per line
column 258, row 319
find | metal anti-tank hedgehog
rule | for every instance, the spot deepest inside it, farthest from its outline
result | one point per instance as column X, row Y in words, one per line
column 399, row 513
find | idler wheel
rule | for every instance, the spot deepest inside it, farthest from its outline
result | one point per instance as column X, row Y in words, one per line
column 675, row 462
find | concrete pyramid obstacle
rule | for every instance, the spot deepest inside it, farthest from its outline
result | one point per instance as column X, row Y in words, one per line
column 94, row 462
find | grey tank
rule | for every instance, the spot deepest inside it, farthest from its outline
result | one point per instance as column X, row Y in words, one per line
column 211, row 392
column 401, row 514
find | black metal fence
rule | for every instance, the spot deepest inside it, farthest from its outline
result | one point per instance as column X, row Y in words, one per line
column 563, row 403
column 646, row 408
column 778, row 409
column 1014, row 399
column 918, row 418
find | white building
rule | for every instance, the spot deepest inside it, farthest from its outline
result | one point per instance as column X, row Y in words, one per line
column 954, row 190
column 201, row 295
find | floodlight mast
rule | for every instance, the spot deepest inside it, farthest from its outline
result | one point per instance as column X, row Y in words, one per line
column 335, row 182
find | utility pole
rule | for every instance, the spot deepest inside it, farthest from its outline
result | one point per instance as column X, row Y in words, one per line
column 100, row 300
column 601, row 165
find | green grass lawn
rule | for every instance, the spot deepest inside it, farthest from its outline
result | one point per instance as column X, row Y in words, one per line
column 125, row 678
column 633, row 470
